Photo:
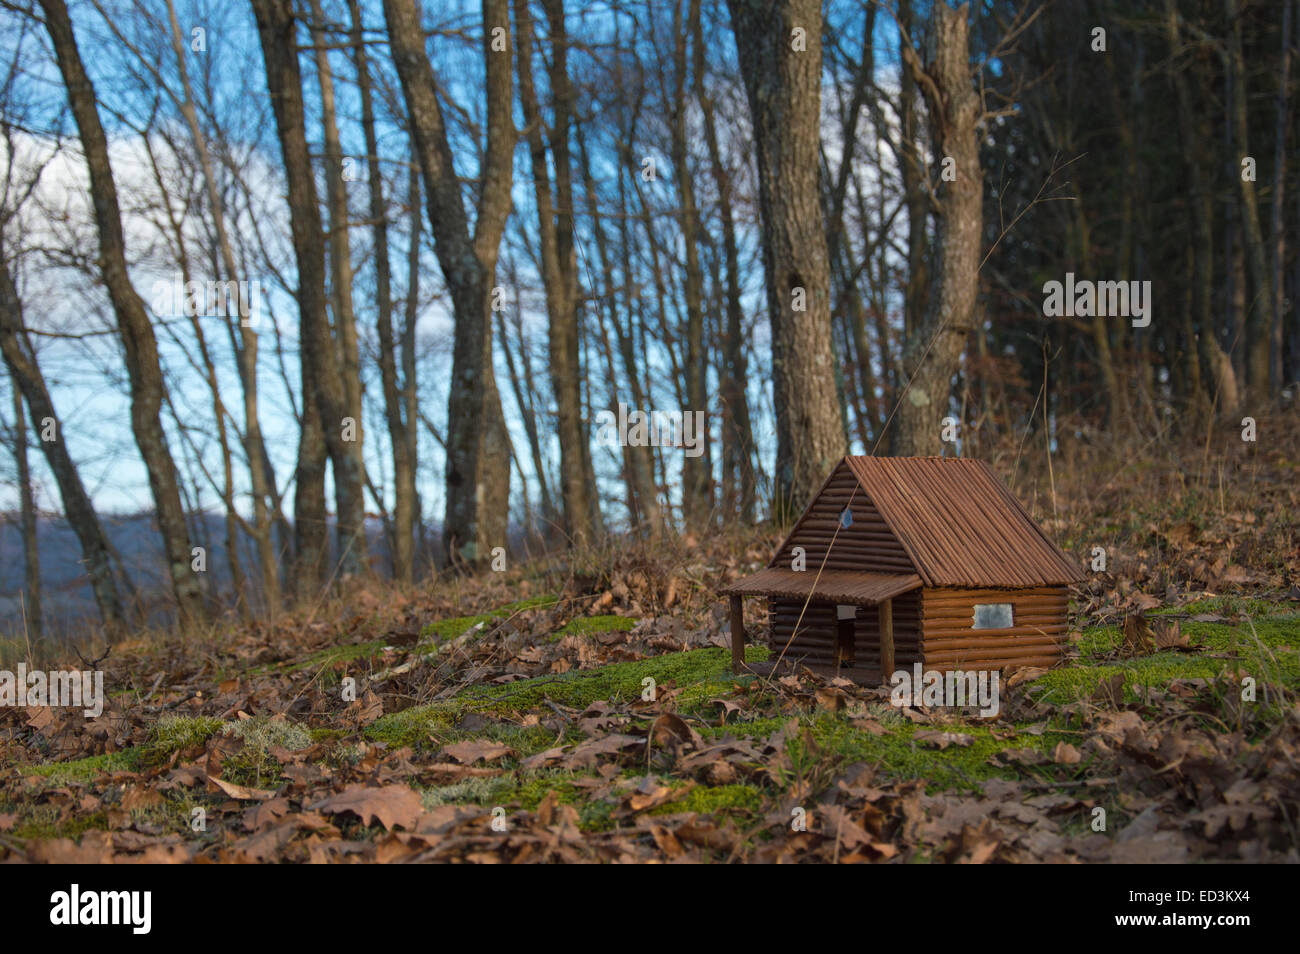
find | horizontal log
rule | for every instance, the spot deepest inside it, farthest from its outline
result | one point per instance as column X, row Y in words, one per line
column 945, row 632
column 1044, row 632
column 999, row 664
column 972, row 656
column 953, row 646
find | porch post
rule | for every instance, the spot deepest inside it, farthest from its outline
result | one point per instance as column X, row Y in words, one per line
column 737, row 634
column 886, row 639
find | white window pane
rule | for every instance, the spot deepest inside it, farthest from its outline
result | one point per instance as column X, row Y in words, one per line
column 993, row 616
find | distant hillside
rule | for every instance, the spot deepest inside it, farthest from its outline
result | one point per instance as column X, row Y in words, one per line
column 67, row 601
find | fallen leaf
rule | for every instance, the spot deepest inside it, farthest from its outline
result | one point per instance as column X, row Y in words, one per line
column 390, row 805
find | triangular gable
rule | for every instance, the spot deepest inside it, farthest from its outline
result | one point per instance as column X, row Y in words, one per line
column 868, row 544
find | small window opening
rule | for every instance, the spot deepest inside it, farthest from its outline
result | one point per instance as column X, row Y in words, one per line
column 993, row 616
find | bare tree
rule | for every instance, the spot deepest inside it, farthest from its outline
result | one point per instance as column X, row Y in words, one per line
column 478, row 444
column 932, row 354
column 322, row 378
column 780, row 60
column 555, row 215
column 136, row 332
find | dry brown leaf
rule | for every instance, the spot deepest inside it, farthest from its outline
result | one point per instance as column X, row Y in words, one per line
column 389, row 805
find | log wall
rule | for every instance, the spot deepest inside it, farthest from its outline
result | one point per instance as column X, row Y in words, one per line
column 1038, row 637
column 814, row 644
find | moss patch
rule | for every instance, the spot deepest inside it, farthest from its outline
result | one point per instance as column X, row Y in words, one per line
column 91, row 767
column 587, row 625
column 1268, row 648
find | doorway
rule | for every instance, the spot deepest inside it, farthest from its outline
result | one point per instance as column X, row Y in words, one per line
column 845, row 647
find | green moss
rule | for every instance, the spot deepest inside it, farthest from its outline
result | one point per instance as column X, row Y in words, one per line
column 42, row 821
column 451, row 628
column 1268, row 648
column 896, row 753
column 177, row 733
column 262, row 733
column 87, row 769
column 704, row 672
column 587, row 625
column 716, row 799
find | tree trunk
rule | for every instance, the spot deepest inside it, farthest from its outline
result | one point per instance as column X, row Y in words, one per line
column 403, row 538
column 340, row 283
column 739, row 491
column 784, row 91
column 557, row 252
column 1281, row 127
column 933, row 353
column 697, row 472
column 1195, row 132
column 27, row 521
column 138, row 341
column 914, row 187
column 478, row 444
column 260, row 475
column 77, row 507
column 1261, row 300
column 277, row 30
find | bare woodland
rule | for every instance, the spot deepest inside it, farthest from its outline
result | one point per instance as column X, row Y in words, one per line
column 826, row 226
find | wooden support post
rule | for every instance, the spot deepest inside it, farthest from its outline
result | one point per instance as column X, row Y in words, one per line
column 737, row 634
column 886, row 639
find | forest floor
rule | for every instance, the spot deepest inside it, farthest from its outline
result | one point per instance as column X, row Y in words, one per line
column 588, row 712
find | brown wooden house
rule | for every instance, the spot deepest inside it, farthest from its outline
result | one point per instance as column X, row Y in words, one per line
column 900, row 560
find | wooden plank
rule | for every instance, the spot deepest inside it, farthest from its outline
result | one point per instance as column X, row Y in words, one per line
column 737, row 634
column 887, row 637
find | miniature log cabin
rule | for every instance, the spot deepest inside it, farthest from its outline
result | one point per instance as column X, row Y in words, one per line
column 900, row 560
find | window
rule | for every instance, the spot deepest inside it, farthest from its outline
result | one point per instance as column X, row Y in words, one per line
column 993, row 616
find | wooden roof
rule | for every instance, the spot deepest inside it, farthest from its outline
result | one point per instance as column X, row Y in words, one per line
column 958, row 523
column 838, row 586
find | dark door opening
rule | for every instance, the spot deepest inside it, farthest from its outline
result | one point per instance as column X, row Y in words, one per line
column 845, row 654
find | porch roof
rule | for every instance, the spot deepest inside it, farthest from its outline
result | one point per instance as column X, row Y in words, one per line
column 838, row 586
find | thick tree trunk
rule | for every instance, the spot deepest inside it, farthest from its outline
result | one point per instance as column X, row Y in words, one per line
column 478, row 444
column 932, row 355
column 138, row 341
column 1195, row 132
column 780, row 60
column 1261, row 298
